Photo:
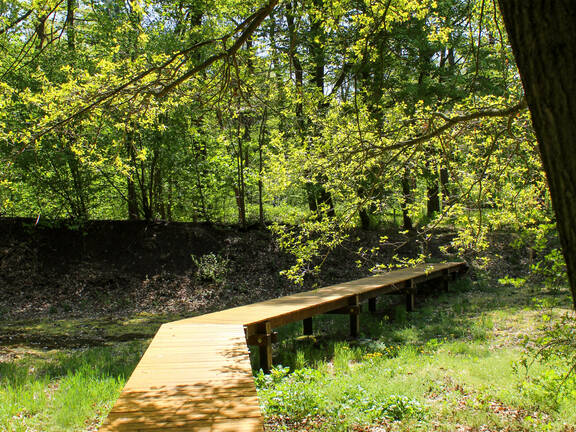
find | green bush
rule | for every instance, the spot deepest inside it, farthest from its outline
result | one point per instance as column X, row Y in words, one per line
column 211, row 267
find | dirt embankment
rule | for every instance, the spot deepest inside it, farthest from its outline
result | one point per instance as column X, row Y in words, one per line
column 120, row 267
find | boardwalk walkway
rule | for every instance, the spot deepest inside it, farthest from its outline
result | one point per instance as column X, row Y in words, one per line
column 196, row 373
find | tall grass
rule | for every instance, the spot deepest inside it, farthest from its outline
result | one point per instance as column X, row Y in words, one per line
column 65, row 390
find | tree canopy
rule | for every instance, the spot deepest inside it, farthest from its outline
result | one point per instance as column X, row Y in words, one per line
column 312, row 116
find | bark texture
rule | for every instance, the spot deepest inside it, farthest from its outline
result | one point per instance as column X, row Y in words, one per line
column 543, row 38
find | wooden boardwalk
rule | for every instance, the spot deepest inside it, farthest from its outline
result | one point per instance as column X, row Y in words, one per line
column 193, row 377
column 196, row 373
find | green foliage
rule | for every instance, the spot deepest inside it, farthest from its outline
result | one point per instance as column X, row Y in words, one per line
column 64, row 391
column 547, row 264
column 211, row 267
column 447, row 365
column 554, row 346
column 83, row 136
column 306, row 393
column 552, row 269
column 290, row 394
column 388, row 113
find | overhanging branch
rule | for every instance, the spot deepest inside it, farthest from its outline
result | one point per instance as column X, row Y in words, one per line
column 248, row 27
column 16, row 21
column 452, row 121
column 256, row 20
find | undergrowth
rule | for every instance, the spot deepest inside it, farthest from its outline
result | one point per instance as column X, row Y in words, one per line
column 64, row 390
column 458, row 363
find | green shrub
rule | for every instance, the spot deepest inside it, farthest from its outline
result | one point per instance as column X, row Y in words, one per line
column 211, row 267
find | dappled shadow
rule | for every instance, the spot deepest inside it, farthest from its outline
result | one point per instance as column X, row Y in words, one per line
column 192, row 377
column 204, row 405
column 47, row 341
column 196, row 373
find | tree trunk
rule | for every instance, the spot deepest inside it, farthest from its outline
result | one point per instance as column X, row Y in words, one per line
column 133, row 208
column 41, row 31
column 317, row 39
column 261, row 138
column 311, row 195
column 445, row 185
column 70, row 25
column 407, row 200
column 365, row 221
column 240, row 187
column 433, row 192
column 544, row 44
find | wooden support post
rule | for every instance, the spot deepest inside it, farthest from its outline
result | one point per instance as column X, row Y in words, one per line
column 307, row 324
column 444, row 281
column 410, row 296
column 372, row 305
column 354, row 316
column 410, row 302
column 263, row 338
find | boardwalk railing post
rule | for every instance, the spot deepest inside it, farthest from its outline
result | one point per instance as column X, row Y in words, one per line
column 307, row 326
column 445, row 280
column 372, row 305
column 410, row 296
column 263, row 338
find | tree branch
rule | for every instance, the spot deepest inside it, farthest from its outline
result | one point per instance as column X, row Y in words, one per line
column 256, row 18
column 250, row 24
column 452, row 121
column 16, row 21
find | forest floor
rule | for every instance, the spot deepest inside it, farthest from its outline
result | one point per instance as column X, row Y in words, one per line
column 79, row 306
column 120, row 268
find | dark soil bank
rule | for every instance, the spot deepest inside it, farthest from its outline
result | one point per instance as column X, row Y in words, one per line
column 120, row 267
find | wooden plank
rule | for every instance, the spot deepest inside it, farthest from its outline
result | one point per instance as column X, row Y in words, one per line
column 178, row 392
column 192, row 377
column 128, row 423
column 221, row 409
column 277, row 310
column 200, row 404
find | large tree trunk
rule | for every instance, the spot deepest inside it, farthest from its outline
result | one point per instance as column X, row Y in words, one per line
column 317, row 47
column 543, row 39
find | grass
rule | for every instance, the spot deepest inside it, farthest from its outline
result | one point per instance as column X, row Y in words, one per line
column 454, row 364
column 64, row 390
column 143, row 325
